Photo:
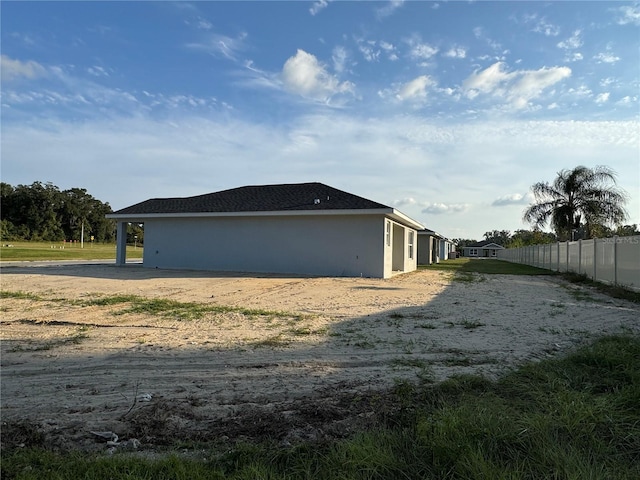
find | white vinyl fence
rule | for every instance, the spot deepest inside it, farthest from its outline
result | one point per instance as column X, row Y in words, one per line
column 613, row 260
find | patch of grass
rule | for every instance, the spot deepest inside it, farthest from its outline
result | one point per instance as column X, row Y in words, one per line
column 276, row 341
column 157, row 306
column 428, row 326
column 34, row 251
column 32, row 346
column 469, row 325
column 20, row 295
column 572, row 417
column 107, row 301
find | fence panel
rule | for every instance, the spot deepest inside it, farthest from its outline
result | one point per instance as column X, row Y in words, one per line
column 554, row 256
column 628, row 260
column 586, row 258
column 605, row 260
column 562, row 261
column 574, row 256
column 611, row 260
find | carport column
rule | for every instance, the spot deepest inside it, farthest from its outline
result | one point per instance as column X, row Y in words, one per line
column 121, row 243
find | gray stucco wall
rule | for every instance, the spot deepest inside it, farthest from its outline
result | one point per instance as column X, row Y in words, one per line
column 329, row 245
column 425, row 245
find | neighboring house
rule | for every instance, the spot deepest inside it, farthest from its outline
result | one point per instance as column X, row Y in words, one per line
column 433, row 247
column 482, row 249
column 305, row 228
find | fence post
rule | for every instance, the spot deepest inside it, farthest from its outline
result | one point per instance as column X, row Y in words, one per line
column 567, row 242
column 558, row 256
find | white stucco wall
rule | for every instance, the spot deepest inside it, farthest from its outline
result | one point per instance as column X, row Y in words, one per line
column 328, row 245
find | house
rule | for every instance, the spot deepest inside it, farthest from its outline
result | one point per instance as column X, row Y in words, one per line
column 482, row 249
column 303, row 228
column 433, row 247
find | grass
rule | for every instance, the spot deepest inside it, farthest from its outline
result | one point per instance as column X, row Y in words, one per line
column 469, row 266
column 614, row 291
column 466, row 270
column 155, row 306
column 35, row 251
column 572, row 417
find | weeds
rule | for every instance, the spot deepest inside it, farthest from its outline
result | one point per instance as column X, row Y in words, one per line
column 572, row 417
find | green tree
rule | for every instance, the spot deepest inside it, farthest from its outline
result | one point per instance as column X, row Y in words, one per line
column 523, row 238
column 42, row 212
column 577, row 202
column 501, row 237
column 463, row 242
column 627, row 230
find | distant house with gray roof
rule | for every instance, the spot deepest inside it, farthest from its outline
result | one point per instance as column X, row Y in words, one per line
column 486, row 249
column 302, row 228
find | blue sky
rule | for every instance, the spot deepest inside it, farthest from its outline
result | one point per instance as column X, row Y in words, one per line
column 448, row 111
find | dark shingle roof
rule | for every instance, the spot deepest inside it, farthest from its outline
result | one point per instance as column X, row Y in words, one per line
column 258, row 198
column 484, row 243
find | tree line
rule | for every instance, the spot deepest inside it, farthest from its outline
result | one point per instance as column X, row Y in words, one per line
column 42, row 212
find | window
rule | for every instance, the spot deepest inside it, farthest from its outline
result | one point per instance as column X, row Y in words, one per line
column 388, row 233
column 410, row 244
column 473, row 252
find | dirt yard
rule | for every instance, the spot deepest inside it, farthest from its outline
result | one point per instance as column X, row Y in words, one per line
column 308, row 363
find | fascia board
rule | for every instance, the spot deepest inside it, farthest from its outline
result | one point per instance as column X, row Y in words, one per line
column 390, row 212
column 275, row 213
column 405, row 220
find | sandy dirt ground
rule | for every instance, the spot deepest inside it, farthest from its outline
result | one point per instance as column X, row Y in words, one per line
column 287, row 364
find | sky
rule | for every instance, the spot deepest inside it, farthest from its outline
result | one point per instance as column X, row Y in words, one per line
column 447, row 111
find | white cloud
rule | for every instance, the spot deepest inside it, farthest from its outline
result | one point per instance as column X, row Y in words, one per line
column 217, row 44
column 455, row 52
column 512, row 199
column 629, row 14
column 627, row 100
column 404, row 202
column 442, row 208
column 416, row 89
column 605, row 82
column 304, row 75
column 606, row 58
column 13, row 69
column 573, row 42
column 389, row 9
column 602, row 98
column 389, row 49
column 518, row 87
column 97, row 71
column 541, row 25
column 368, row 50
column 420, row 50
column 318, row 6
column 339, row 57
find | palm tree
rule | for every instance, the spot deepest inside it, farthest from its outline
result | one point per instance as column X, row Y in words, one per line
column 582, row 198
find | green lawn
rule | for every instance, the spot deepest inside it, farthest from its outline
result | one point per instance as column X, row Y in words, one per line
column 486, row 265
column 31, row 251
